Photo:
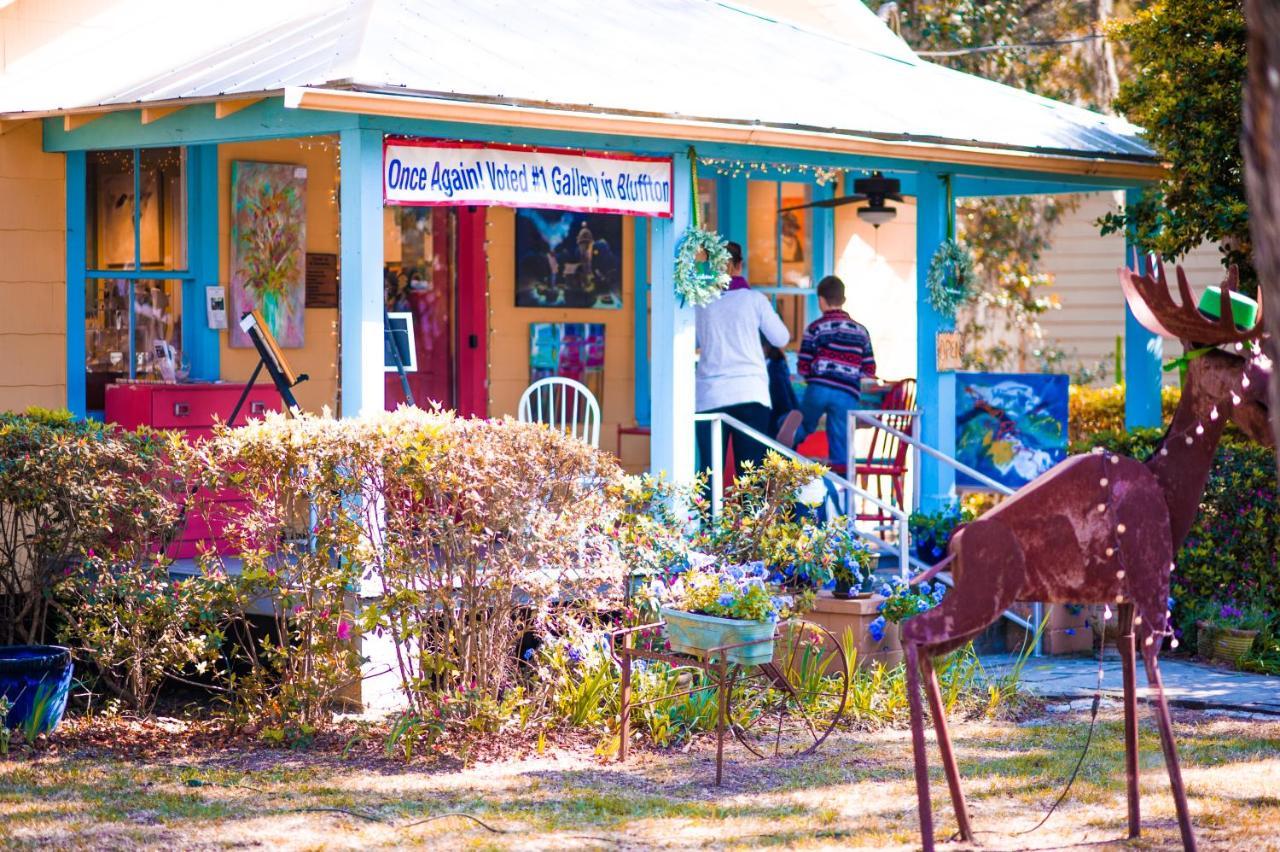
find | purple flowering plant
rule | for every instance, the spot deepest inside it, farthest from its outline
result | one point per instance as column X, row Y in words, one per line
column 1235, row 616
column 724, row 591
column 902, row 601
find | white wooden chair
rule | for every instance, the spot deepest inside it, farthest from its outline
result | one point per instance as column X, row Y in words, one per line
column 562, row 404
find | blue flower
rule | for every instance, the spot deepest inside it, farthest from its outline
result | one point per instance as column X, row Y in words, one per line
column 725, row 600
column 921, row 604
column 575, row 656
column 876, row 629
column 885, row 591
column 924, row 588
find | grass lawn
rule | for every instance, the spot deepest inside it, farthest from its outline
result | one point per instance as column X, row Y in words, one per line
column 193, row 792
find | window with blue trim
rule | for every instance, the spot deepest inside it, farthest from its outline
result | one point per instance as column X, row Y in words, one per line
column 136, row 266
column 779, row 250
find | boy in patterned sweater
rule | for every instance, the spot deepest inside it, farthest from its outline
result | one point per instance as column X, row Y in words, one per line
column 834, row 356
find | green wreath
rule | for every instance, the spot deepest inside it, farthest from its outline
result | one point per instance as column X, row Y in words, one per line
column 950, row 278
column 700, row 282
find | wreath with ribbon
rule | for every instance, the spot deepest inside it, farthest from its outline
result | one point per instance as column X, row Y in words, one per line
column 702, row 267
column 950, row 278
column 702, row 258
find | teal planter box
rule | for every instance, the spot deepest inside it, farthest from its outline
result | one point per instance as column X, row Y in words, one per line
column 691, row 633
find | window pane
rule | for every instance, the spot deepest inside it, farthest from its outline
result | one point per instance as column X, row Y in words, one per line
column 779, row 245
column 162, row 226
column 795, row 235
column 109, row 210
column 157, row 330
column 708, row 204
column 106, row 324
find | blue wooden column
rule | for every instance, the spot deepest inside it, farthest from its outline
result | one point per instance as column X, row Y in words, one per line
column 200, row 342
column 733, row 209
column 936, row 391
column 672, row 340
column 360, row 291
column 641, row 318
column 76, row 165
column 1143, row 351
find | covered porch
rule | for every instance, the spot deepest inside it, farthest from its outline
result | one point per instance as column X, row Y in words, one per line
column 943, row 135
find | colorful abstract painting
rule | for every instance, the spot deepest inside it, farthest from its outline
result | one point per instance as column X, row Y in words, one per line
column 268, row 249
column 1011, row 427
column 574, row 350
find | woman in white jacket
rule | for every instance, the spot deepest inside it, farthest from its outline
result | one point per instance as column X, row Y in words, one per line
column 732, row 376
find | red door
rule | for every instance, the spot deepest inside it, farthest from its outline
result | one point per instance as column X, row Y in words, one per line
column 434, row 269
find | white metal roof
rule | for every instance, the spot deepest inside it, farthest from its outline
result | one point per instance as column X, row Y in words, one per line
column 691, row 59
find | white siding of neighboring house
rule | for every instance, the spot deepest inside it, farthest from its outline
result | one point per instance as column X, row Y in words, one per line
column 1084, row 266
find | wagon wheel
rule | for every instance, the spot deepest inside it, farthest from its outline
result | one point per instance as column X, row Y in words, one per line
column 787, row 707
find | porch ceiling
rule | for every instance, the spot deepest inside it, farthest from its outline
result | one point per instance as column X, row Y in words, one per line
column 683, row 62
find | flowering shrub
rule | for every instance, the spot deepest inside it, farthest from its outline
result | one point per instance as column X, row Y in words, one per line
column 902, row 601
column 474, row 531
column 1232, row 552
column 763, row 520
column 731, row 591
column 86, row 515
column 653, row 523
column 120, row 609
column 663, row 528
column 850, row 555
column 299, row 549
column 53, row 506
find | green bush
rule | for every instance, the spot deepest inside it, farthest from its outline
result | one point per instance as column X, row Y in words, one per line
column 1232, row 553
column 121, row 610
column 490, row 530
column 300, row 546
column 86, row 515
column 1095, row 409
column 50, row 511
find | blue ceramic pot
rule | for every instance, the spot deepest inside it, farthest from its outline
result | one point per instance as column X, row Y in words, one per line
column 929, row 551
column 37, row 680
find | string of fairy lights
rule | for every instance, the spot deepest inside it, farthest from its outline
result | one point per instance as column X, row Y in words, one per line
column 822, row 175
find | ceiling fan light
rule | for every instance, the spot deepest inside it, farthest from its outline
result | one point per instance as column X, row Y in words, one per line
column 877, row 214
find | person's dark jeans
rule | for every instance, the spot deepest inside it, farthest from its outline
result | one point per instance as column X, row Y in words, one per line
column 745, row 449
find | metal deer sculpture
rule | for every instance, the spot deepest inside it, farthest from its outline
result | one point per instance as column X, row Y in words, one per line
column 1099, row 528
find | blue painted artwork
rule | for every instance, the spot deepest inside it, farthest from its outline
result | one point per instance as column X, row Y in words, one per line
column 1011, row 427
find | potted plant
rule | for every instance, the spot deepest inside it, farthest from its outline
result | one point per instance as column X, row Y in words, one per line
column 1234, row 631
column 931, row 532
column 35, row 681
column 713, row 606
column 852, row 561
column 902, row 601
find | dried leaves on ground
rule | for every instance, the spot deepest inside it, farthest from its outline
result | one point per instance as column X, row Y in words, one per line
column 168, row 784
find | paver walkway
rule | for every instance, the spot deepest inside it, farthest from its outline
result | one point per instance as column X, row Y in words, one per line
column 1186, row 683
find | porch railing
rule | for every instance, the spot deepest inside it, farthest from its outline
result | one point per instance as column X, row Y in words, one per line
column 851, row 491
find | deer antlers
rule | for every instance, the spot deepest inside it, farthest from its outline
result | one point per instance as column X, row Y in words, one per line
column 1155, row 309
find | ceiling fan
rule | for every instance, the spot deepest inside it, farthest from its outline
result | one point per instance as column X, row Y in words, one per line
column 874, row 190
